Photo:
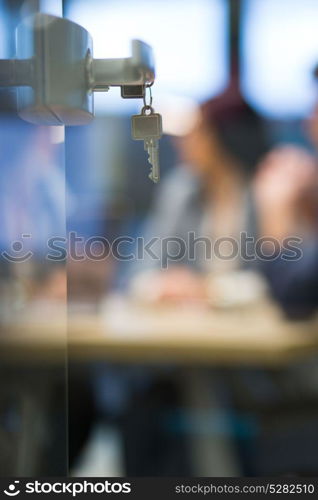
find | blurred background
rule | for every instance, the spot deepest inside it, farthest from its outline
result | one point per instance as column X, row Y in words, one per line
column 236, row 84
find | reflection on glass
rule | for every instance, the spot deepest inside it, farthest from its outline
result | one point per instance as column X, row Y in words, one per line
column 32, row 300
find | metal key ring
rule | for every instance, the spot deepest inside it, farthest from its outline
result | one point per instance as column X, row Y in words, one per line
column 150, row 96
column 147, row 107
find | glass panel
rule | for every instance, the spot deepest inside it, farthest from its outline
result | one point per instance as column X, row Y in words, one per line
column 279, row 53
column 32, row 287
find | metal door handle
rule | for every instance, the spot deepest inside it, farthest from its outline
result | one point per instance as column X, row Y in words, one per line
column 56, row 74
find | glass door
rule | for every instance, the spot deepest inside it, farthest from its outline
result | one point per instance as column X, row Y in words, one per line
column 33, row 346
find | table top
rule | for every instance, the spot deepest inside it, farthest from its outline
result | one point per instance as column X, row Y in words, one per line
column 127, row 332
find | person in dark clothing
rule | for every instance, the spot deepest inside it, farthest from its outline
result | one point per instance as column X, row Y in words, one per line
column 286, row 196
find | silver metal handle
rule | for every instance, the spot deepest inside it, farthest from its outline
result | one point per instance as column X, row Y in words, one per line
column 135, row 70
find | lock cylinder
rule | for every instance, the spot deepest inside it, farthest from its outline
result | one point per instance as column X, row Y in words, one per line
column 58, row 94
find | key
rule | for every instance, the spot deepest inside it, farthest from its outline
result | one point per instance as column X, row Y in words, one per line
column 152, row 146
column 148, row 128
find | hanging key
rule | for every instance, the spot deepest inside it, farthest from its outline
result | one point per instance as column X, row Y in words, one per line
column 147, row 127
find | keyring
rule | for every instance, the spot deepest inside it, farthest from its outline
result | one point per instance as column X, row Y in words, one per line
column 147, row 107
column 150, row 96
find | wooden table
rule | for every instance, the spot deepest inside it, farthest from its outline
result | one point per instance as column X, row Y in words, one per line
column 126, row 332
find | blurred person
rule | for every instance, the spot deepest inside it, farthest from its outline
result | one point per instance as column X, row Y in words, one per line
column 286, row 196
column 32, row 210
column 33, row 187
column 206, row 195
column 32, row 204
